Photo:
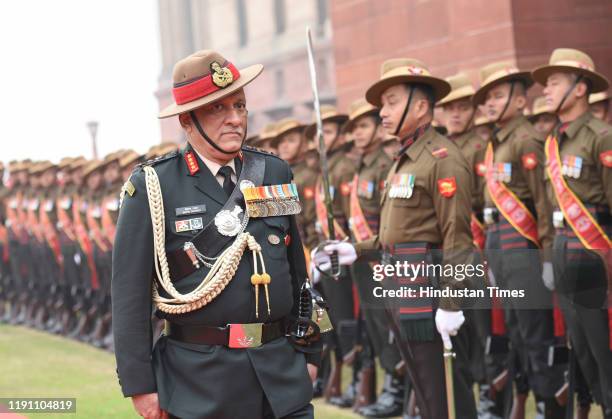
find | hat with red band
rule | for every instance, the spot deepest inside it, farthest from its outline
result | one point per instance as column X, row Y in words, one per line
column 205, row 77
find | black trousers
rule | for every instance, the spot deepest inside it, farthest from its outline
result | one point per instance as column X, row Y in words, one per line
column 306, row 412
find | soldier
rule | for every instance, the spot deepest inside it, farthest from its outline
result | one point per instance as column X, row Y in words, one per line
column 234, row 322
column 518, row 217
column 291, row 144
column 579, row 174
column 542, row 118
column 4, row 248
column 482, row 126
column 459, row 113
column 338, row 292
column 17, row 240
column 600, row 105
column 426, row 204
column 265, row 137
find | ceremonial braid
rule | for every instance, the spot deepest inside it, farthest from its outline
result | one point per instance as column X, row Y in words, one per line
column 217, row 278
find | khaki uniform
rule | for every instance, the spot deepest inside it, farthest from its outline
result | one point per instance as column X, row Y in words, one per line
column 516, row 261
column 585, row 148
column 473, row 149
column 306, row 179
column 434, row 213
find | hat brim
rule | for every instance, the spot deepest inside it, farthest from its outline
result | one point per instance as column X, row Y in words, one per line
column 276, row 140
column 350, row 124
column 247, row 75
column 598, row 82
column 524, row 76
column 311, row 129
column 440, row 87
column 451, row 97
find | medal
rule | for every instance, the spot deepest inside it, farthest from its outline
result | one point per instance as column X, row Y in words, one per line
column 401, row 185
column 272, row 200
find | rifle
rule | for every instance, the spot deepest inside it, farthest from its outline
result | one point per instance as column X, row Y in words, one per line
column 335, row 265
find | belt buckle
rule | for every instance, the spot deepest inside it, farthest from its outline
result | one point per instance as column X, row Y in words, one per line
column 488, row 216
column 242, row 336
column 558, row 219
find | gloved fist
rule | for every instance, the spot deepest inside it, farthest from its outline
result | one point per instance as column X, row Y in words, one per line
column 548, row 276
column 346, row 255
column 448, row 324
column 315, row 274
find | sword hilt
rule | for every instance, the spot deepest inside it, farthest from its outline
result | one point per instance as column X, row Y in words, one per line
column 335, row 265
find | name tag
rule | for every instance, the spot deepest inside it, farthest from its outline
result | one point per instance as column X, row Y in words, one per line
column 194, row 209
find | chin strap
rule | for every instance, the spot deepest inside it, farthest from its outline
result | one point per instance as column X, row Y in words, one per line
column 399, row 126
column 501, row 115
column 194, row 118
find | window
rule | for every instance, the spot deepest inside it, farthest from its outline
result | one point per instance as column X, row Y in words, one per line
column 243, row 33
column 279, row 15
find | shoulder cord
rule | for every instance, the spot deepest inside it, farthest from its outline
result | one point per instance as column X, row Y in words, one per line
column 217, row 278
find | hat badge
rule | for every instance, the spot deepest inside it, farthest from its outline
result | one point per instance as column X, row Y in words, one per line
column 415, row 70
column 221, row 76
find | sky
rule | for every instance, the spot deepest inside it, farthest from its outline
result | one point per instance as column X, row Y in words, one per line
column 66, row 62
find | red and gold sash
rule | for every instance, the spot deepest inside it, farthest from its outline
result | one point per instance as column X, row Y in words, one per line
column 509, row 205
column 322, row 215
column 478, row 232
column 359, row 225
column 84, row 241
column 586, row 228
column 48, row 232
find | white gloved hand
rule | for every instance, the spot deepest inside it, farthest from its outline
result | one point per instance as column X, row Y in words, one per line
column 548, row 276
column 448, row 324
column 346, row 252
column 492, row 281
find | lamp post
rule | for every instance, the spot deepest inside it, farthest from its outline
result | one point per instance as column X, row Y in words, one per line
column 93, row 130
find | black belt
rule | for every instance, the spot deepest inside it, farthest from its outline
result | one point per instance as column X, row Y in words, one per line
column 249, row 335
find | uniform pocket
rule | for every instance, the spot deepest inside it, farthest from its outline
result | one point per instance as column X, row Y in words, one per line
column 413, row 201
column 274, row 236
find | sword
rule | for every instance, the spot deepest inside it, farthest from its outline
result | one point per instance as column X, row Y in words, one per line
column 448, row 377
column 335, row 266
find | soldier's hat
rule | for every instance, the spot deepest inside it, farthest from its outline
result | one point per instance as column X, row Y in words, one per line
column 45, row 165
column 267, row 133
column 65, row 163
column 405, row 71
column 481, row 120
column 204, row 77
column 329, row 113
column 568, row 60
column 497, row 73
column 91, row 167
column 598, row 97
column 357, row 109
column 539, row 108
column 110, row 157
column 285, row 126
column 77, row 163
column 461, row 88
column 128, row 158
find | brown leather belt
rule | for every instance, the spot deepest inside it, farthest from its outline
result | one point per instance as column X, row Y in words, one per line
column 250, row 335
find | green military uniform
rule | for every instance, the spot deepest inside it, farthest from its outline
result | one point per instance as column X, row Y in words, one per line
column 425, row 205
column 194, row 365
column 518, row 165
column 585, row 153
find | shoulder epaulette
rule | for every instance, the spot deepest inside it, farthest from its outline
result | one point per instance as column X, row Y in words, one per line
column 599, row 127
column 160, row 159
column 259, row 150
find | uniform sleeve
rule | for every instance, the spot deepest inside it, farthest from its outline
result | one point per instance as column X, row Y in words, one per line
column 604, row 166
column 453, row 213
column 131, row 292
column 297, row 269
column 537, row 186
